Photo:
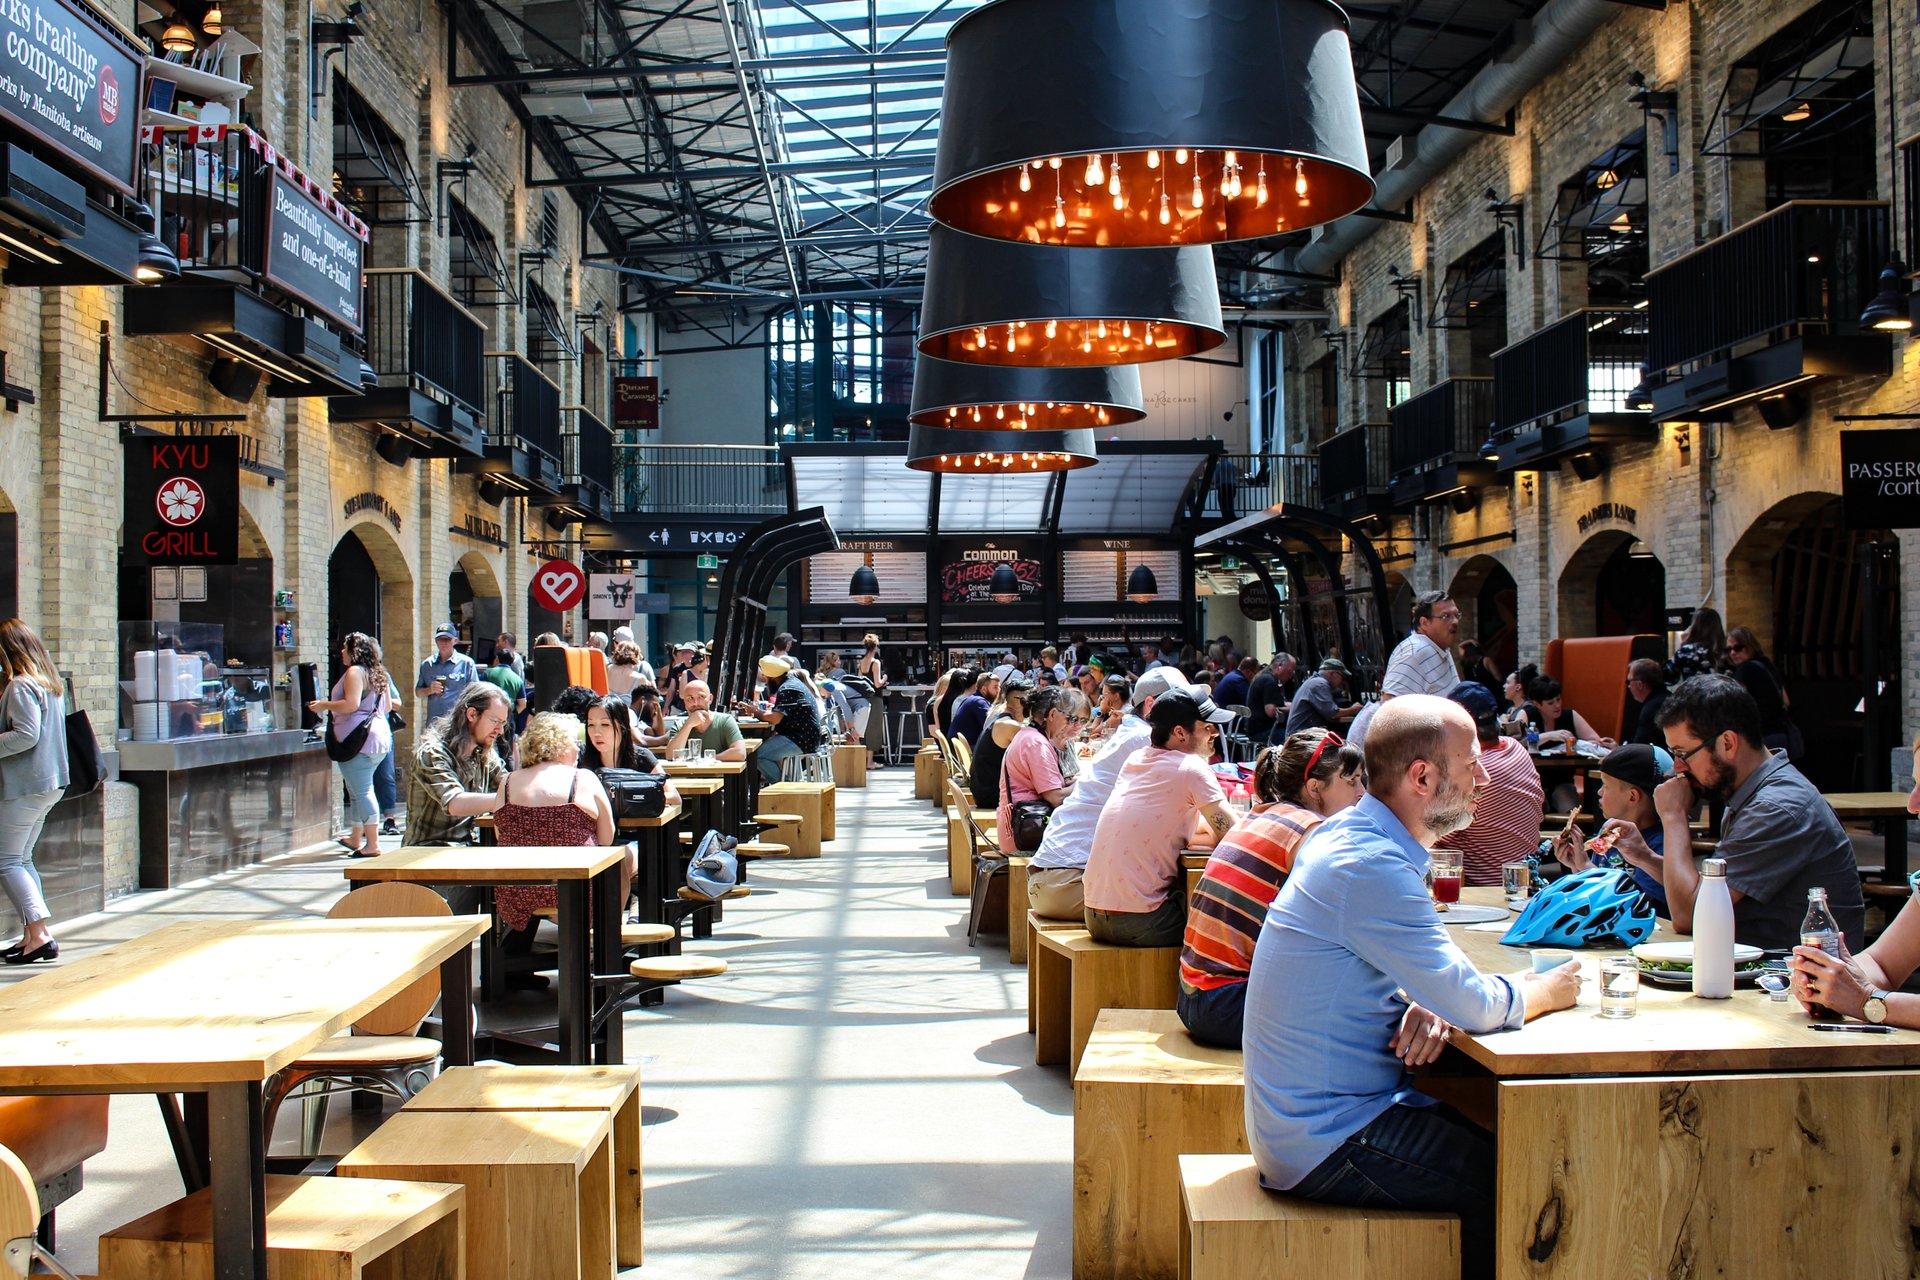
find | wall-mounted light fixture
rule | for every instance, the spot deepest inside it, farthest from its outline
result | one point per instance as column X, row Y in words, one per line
column 1662, row 105
column 1408, row 287
column 1511, row 215
column 324, row 39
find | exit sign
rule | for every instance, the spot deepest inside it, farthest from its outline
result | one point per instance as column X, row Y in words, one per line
column 708, row 562
column 1229, row 563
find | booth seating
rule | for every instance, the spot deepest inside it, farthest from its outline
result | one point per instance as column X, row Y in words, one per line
column 554, row 668
column 1592, row 671
column 1232, row 1228
column 540, row 1198
column 850, row 764
column 317, row 1229
column 1071, row 978
column 1144, row 1096
column 52, row 1136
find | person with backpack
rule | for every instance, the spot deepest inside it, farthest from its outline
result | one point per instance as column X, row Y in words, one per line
column 33, row 777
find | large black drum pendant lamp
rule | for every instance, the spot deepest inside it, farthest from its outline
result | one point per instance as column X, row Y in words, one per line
column 991, row 302
column 953, row 452
column 1110, row 123
column 999, row 397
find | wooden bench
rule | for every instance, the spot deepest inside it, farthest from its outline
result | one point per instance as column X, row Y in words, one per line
column 1144, row 1096
column 539, row 1185
column 850, row 764
column 1071, row 978
column 1034, row 924
column 812, row 802
column 1017, row 908
column 929, row 773
column 1232, row 1228
column 317, row 1229
column 610, row 1091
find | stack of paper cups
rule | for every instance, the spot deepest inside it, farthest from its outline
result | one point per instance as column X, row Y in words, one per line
column 143, row 684
column 149, row 720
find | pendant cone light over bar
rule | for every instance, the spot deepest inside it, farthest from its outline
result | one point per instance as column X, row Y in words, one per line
column 1115, row 123
column 954, row 452
column 998, row 397
column 992, row 302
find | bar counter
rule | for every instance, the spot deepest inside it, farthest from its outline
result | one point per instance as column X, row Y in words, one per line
column 218, row 801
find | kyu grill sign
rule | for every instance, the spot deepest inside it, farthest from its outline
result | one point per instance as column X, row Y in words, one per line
column 68, row 81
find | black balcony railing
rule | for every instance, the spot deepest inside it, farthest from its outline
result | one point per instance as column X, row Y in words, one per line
column 1244, row 483
column 418, row 336
column 1355, row 460
column 1447, row 423
column 588, row 446
column 526, row 408
column 1586, row 363
column 1808, row 267
column 662, row 478
column 209, row 200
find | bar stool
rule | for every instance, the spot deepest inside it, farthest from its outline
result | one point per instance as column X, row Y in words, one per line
column 913, row 710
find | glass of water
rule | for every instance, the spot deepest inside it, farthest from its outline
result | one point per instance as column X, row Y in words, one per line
column 1619, row 987
column 1517, row 877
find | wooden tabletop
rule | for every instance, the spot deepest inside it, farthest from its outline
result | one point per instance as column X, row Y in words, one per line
column 1868, row 804
column 704, row 768
column 488, row 864
column 699, row 786
column 212, row 1002
column 667, row 817
column 1672, row 1032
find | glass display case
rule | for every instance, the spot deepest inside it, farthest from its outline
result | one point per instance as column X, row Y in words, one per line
column 176, row 682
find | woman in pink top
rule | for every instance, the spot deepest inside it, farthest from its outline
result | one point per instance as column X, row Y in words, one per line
column 1031, row 767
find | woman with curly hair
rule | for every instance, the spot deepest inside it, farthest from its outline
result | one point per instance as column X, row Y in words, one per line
column 362, row 697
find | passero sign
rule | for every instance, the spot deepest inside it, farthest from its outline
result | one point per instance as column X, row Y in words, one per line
column 181, row 500
column 1880, row 478
column 311, row 254
column 559, row 586
column 68, row 82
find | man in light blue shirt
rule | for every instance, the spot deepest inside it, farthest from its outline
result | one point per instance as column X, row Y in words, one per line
column 1355, row 979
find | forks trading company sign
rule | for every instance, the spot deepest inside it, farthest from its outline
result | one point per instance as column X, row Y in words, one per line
column 66, row 79
column 181, row 500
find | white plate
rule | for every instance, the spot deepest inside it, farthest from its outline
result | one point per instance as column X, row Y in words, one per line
column 1471, row 913
column 1684, row 981
column 1670, row 952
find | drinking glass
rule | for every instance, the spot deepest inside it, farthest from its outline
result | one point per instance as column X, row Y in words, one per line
column 1619, row 987
column 1446, row 873
column 1517, row 878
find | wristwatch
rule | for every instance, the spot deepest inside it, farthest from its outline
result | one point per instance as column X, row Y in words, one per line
column 1875, row 1010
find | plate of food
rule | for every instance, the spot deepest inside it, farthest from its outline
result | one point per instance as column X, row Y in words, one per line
column 1670, row 964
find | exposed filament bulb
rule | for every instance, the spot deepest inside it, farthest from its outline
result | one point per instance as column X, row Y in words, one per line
column 1153, row 159
column 1166, row 209
column 1199, row 196
column 1053, row 328
column 1059, row 213
column 1053, row 162
column 979, row 337
column 1096, row 171
column 1026, row 178
column 1300, row 180
column 1180, row 155
column 1103, row 329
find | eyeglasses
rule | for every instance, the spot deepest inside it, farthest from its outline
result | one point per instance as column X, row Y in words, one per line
column 1331, row 740
column 1681, row 757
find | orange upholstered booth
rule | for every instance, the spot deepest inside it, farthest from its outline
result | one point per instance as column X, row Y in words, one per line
column 1592, row 671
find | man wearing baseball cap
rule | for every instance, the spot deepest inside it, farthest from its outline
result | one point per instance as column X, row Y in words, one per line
column 1054, row 875
column 1509, row 807
column 446, row 674
column 1627, row 778
column 1134, row 897
column 1315, row 704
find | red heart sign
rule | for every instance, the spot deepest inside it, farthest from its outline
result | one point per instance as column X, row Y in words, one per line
column 559, row 586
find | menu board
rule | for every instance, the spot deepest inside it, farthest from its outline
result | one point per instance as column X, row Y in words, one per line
column 966, row 574
column 67, row 81
column 310, row 253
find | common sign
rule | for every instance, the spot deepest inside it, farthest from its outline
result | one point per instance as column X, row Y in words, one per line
column 559, row 586
column 967, row 576
column 1880, row 478
column 65, row 80
column 310, row 253
column 181, row 500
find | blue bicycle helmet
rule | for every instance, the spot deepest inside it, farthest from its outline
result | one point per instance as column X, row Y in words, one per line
column 1598, row 905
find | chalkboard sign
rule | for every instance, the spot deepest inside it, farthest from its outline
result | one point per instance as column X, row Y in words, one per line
column 68, row 82
column 967, row 575
column 310, row 253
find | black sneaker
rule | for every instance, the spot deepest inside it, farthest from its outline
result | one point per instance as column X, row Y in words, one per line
column 389, row 828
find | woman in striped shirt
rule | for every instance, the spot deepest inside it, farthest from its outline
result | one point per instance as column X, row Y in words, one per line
column 1311, row 776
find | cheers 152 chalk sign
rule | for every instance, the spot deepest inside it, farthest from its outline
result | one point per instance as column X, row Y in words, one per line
column 967, row 578
column 181, row 500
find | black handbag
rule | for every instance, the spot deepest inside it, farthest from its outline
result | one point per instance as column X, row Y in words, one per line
column 86, row 764
column 396, row 721
column 341, row 750
column 1030, row 824
column 635, row 794
column 860, row 685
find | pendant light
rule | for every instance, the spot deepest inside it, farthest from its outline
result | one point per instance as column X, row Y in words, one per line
column 1109, row 123
column 1004, row 588
column 177, row 38
column 865, row 588
column 982, row 453
column 992, row 302
column 1142, row 586
column 214, row 23
column 947, row 393
column 1888, row 312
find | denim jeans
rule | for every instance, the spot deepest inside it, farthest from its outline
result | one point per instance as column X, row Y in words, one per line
column 357, row 773
column 775, row 749
column 21, row 821
column 1164, row 926
column 1214, row 1017
column 386, row 788
column 1429, row 1158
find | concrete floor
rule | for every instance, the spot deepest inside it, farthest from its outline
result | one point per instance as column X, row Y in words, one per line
column 855, row 1097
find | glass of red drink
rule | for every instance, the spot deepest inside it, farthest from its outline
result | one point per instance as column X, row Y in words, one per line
column 1445, row 876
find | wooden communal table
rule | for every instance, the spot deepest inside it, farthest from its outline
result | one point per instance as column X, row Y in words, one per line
column 1889, row 810
column 736, row 800
column 1714, row 1138
column 571, row 869
column 214, row 1009
column 1556, row 767
column 657, row 848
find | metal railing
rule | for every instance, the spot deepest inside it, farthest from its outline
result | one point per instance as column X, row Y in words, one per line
column 418, row 335
column 1445, row 423
column 1586, row 363
column 208, row 199
column 1355, row 460
column 587, row 444
column 741, row 479
column 1809, row 266
column 526, row 407
column 1244, row 483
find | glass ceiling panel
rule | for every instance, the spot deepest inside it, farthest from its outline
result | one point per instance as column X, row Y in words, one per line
column 862, row 493
column 1004, row 503
column 1128, row 493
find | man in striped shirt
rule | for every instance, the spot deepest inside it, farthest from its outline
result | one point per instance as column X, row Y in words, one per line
column 1423, row 662
column 1509, row 810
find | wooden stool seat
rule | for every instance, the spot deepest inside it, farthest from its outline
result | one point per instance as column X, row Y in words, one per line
column 850, row 764
column 645, row 935
column 1232, row 1228
column 371, row 1051
column 539, row 1185
column 339, row 1228
column 769, row 849
column 678, row 968
column 738, row 891
column 610, row 1090
column 1071, row 978
column 778, row 819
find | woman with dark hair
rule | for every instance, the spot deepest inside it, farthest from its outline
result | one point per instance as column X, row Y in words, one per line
column 1310, row 777
column 361, row 696
column 960, row 682
column 1030, row 770
column 33, row 774
column 1702, row 647
column 611, row 745
column 990, row 748
column 1553, row 720
column 1758, row 676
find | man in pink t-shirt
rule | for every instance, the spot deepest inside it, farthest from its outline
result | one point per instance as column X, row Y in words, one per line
column 1132, row 882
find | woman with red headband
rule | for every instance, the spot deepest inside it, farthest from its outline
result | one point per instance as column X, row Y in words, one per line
column 1311, row 776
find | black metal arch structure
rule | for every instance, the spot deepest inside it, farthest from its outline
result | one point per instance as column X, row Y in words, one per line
column 1303, row 547
column 753, row 569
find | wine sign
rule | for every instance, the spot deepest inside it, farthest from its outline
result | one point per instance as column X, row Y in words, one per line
column 66, row 80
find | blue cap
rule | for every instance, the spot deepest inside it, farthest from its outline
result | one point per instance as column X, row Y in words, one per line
column 1475, row 697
